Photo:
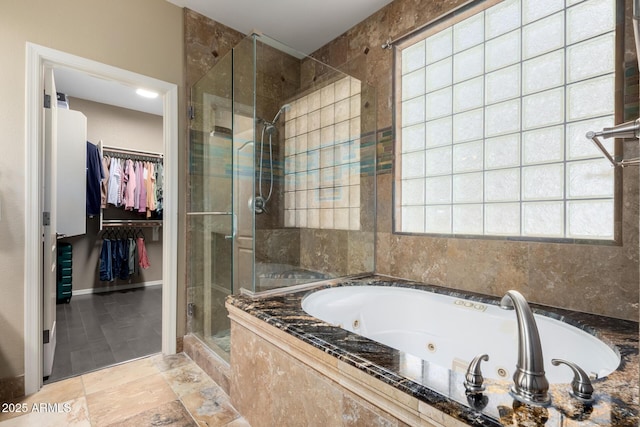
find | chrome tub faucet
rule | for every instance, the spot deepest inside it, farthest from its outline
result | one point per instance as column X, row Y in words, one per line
column 530, row 384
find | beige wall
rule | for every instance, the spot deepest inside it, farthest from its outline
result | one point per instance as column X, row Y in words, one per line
column 117, row 127
column 143, row 36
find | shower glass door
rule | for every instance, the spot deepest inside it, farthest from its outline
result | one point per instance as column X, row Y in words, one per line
column 210, row 219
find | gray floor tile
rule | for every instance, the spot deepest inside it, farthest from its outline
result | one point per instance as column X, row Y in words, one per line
column 98, row 330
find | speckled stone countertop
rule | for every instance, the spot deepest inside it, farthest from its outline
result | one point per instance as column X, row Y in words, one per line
column 616, row 397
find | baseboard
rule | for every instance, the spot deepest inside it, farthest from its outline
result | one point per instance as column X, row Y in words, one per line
column 116, row 288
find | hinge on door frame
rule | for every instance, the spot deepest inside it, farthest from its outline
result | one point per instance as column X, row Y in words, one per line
column 47, row 101
column 46, row 218
column 191, row 112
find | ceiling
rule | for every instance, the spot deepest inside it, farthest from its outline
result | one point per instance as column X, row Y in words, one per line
column 77, row 84
column 301, row 24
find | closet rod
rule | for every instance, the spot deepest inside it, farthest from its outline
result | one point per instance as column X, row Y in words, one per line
column 130, row 223
column 131, row 151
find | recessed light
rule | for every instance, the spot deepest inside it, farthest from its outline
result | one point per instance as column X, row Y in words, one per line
column 147, row 93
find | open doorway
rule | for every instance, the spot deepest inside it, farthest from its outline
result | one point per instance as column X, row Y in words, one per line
column 39, row 59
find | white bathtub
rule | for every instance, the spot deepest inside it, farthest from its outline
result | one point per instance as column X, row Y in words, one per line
column 450, row 331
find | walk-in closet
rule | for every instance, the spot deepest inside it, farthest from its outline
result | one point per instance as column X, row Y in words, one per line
column 109, row 268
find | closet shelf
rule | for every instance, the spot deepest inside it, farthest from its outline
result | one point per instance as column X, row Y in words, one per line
column 131, row 223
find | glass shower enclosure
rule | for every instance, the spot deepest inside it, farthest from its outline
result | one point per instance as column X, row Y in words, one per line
column 282, row 159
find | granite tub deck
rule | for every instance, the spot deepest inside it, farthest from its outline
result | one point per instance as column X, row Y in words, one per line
column 616, row 397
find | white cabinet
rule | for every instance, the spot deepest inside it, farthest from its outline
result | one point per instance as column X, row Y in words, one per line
column 71, row 173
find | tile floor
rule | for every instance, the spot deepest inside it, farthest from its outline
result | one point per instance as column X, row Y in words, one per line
column 99, row 330
column 155, row 390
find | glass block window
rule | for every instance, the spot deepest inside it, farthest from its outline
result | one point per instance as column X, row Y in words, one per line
column 322, row 158
column 491, row 116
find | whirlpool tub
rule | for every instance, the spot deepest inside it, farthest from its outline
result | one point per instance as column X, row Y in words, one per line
column 451, row 331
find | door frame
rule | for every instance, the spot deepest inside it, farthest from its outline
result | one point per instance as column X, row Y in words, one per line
column 36, row 58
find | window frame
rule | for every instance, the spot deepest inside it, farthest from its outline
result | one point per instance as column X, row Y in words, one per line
column 449, row 19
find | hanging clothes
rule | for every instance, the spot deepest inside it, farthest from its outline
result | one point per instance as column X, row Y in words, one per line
column 104, row 185
column 106, row 261
column 95, row 175
column 143, row 259
column 115, row 176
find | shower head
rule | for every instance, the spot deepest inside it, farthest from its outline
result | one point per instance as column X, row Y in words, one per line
column 285, row 107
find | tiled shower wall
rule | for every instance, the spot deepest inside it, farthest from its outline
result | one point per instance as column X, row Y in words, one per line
column 601, row 279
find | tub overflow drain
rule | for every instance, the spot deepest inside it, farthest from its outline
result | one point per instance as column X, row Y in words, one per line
column 356, row 324
column 502, row 372
column 431, row 347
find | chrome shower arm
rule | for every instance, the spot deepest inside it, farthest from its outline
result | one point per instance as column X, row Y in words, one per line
column 630, row 129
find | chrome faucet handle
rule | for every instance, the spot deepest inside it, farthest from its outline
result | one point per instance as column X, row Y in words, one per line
column 581, row 384
column 473, row 379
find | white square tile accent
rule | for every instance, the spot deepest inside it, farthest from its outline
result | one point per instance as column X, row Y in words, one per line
column 438, row 161
column 327, row 116
column 542, row 73
column 342, row 110
column 301, row 125
column 341, row 132
column 413, row 165
column 438, row 190
column 468, row 126
column 301, row 143
column 439, row 132
column 590, row 178
column 301, row 218
column 438, row 219
column 413, row 138
column 413, row 84
column 313, row 101
column 290, row 146
column 502, row 84
column 438, row 104
column 354, row 218
column 327, row 136
column 502, row 118
column 543, row 36
column 413, row 191
column 468, row 33
column 468, row 64
column 342, row 89
column 327, row 95
column 439, row 74
column 502, row 185
column 313, row 218
column 468, row 219
column 313, row 160
column 413, row 57
column 590, row 219
column 543, row 219
column 356, row 86
column 503, row 51
column 313, row 120
column 544, row 145
column 289, row 218
column 354, row 106
column 413, row 111
column 502, row 18
column 302, row 107
column 533, row 10
column 468, row 188
column 413, row 219
column 543, row 109
column 600, row 14
column 341, row 199
column 581, row 58
column 503, row 151
column 354, row 195
column 545, row 182
column 466, row 95
column 467, row 157
column 439, row 45
column 502, row 219
column 341, row 219
column 591, row 98
column 326, row 218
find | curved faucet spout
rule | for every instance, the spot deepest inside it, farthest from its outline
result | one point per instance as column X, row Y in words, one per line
column 530, row 383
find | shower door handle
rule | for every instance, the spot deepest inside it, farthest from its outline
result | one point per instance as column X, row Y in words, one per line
column 234, row 227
